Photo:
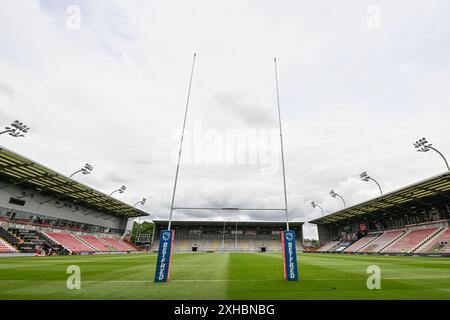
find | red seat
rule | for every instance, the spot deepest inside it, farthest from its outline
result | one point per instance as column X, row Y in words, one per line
column 96, row 243
column 410, row 241
column 435, row 244
column 360, row 243
column 5, row 247
column 69, row 242
column 383, row 240
column 119, row 245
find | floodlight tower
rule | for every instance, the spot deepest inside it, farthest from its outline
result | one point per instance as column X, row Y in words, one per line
column 87, row 169
column 120, row 190
column 334, row 194
column 314, row 205
column 365, row 177
column 422, row 145
column 17, row 129
column 141, row 202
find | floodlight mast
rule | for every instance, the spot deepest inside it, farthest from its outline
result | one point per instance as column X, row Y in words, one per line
column 17, row 129
column 87, row 169
column 142, row 202
column 314, row 205
column 422, row 145
column 281, row 144
column 120, row 190
column 365, row 177
column 181, row 141
column 334, row 194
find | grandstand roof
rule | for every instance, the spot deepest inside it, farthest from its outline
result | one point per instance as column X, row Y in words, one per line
column 216, row 222
column 22, row 171
column 426, row 192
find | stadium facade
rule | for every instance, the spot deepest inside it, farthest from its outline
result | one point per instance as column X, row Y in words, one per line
column 228, row 236
column 413, row 220
column 41, row 208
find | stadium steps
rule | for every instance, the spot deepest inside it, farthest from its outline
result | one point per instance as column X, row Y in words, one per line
column 382, row 241
column 328, row 246
column 6, row 247
column 432, row 236
column 9, row 237
column 118, row 245
column 69, row 242
column 135, row 247
column 410, row 240
column 368, row 243
column 109, row 245
column 428, row 244
column 360, row 243
column 401, row 235
column 86, row 243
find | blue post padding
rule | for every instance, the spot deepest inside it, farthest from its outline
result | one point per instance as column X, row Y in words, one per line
column 164, row 260
column 289, row 256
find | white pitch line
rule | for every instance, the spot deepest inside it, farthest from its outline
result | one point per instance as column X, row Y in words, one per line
column 226, row 280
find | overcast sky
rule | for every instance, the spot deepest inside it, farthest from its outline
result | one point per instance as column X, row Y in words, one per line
column 105, row 82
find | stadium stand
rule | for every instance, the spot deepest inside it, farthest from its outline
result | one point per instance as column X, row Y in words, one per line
column 215, row 245
column 183, row 245
column 398, row 217
column 8, row 237
column 328, row 246
column 410, row 241
column 96, row 243
column 34, row 240
column 341, row 247
column 228, row 236
column 383, row 241
column 274, row 246
column 70, row 218
column 440, row 243
column 361, row 243
column 118, row 245
column 69, row 242
column 5, row 247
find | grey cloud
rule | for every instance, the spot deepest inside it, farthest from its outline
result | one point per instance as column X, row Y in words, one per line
column 249, row 113
column 7, row 90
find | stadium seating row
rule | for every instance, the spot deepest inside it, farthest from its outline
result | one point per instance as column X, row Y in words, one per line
column 5, row 247
column 360, row 243
column 424, row 240
column 383, row 241
column 243, row 245
column 438, row 244
column 410, row 241
column 328, row 246
column 34, row 241
column 89, row 243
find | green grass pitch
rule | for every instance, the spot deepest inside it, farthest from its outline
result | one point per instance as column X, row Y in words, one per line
column 224, row 276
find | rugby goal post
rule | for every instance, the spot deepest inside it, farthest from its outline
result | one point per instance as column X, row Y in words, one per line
column 167, row 237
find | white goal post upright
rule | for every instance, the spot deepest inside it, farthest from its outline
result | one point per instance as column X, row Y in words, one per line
column 181, row 142
column 281, row 144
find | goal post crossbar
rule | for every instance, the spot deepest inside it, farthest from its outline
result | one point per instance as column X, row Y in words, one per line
column 228, row 209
